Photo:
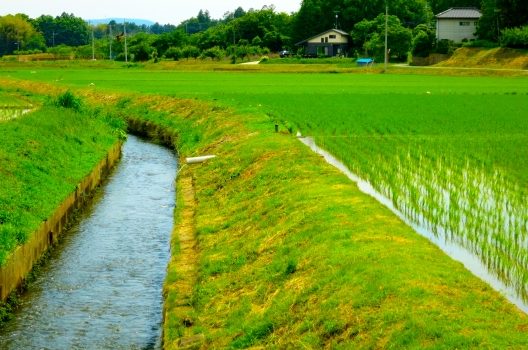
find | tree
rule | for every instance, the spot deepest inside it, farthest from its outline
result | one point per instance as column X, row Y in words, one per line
column 46, row 26
column 174, row 52
column 373, row 35
column 190, row 51
column 140, row 46
column 513, row 13
column 501, row 14
column 239, row 12
column 423, row 40
column 176, row 38
column 309, row 21
column 515, row 37
column 438, row 6
column 316, row 16
column 17, row 33
column 71, row 30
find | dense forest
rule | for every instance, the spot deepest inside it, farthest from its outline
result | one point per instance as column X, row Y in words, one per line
column 240, row 33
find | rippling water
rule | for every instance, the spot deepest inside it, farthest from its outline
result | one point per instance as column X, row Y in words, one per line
column 102, row 288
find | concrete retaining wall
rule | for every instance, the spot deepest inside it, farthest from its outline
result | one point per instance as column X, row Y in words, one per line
column 22, row 260
column 153, row 132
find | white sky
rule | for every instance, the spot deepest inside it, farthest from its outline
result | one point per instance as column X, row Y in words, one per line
column 162, row 11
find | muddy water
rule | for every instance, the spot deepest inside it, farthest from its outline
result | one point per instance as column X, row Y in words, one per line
column 102, row 288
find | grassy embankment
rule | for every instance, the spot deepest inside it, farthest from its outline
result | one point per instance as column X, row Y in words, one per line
column 498, row 58
column 43, row 156
column 292, row 254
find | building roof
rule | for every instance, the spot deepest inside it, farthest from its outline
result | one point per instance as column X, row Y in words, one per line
column 460, row 13
column 323, row 33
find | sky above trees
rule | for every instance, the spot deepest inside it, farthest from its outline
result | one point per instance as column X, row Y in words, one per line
column 162, row 11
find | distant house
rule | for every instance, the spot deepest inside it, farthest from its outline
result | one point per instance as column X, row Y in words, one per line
column 457, row 24
column 333, row 42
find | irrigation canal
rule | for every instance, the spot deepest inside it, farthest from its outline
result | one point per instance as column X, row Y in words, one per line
column 102, row 287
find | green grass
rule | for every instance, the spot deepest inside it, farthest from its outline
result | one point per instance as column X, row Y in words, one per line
column 291, row 253
column 43, row 156
column 11, row 100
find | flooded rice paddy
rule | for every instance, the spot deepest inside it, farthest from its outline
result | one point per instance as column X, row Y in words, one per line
column 477, row 219
column 12, row 113
column 102, row 287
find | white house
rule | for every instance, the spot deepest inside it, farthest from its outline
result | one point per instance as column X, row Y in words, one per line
column 457, row 23
column 333, row 42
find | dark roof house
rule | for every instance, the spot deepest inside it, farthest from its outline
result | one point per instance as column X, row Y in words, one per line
column 333, row 42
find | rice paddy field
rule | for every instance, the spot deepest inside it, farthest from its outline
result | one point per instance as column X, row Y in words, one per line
column 448, row 151
column 12, row 106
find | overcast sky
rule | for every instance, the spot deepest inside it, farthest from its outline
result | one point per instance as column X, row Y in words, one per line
column 162, row 11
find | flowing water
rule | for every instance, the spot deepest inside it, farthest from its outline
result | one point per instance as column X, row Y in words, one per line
column 102, row 287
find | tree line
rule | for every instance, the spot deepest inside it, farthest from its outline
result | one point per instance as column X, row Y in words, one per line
column 241, row 33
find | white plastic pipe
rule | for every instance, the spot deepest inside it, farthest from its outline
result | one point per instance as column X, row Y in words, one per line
column 201, row 159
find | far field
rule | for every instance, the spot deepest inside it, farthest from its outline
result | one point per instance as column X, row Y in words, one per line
column 449, row 151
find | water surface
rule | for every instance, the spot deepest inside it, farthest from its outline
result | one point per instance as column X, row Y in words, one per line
column 102, row 287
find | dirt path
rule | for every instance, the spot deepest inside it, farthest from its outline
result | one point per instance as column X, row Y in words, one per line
column 404, row 65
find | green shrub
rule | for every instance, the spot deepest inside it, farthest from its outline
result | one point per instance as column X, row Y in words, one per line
column 481, row 43
column 444, row 46
column 174, row 53
column 515, row 37
column 69, row 100
column 215, row 53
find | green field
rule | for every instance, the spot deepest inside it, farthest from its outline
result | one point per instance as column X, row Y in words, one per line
column 291, row 254
column 448, row 151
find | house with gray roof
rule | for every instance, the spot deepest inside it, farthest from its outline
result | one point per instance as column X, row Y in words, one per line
column 457, row 23
column 333, row 42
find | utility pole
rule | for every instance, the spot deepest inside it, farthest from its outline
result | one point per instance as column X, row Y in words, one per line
column 336, row 24
column 126, row 49
column 386, row 35
column 111, row 39
column 497, row 15
column 93, row 44
column 234, row 41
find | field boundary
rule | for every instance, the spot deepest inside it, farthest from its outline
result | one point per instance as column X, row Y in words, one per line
column 180, row 311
